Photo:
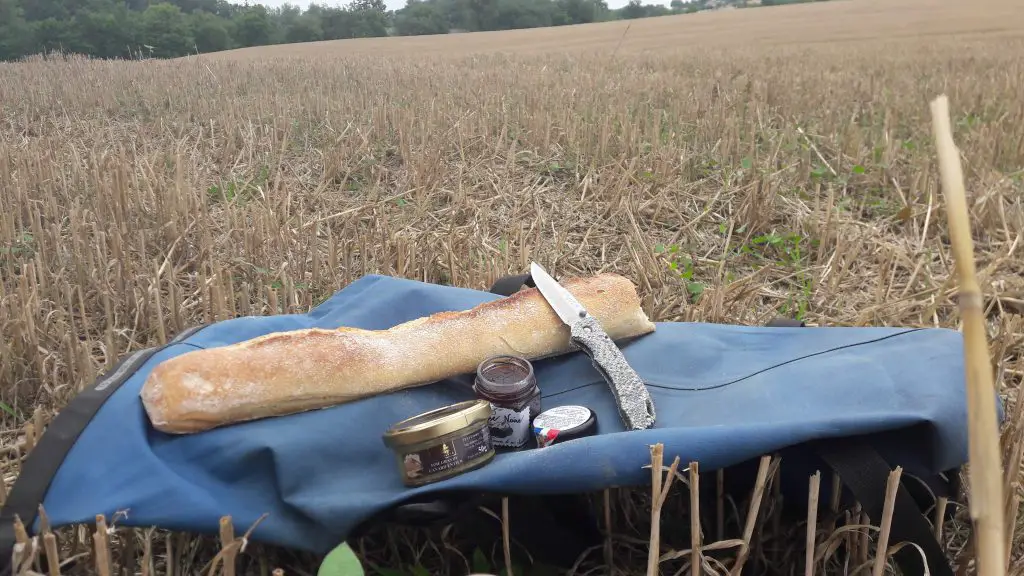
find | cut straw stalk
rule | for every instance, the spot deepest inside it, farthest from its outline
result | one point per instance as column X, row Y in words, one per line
column 24, row 548
column 985, row 468
column 659, row 493
column 101, row 543
column 52, row 554
column 885, row 526
column 505, row 537
column 752, row 514
column 812, row 522
column 695, row 535
column 227, row 539
column 49, row 543
column 657, row 455
column 940, row 516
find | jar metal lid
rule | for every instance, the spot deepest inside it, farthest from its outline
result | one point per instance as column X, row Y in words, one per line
column 437, row 423
column 494, row 363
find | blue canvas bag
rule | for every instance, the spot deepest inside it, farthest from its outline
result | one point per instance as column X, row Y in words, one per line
column 856, row 401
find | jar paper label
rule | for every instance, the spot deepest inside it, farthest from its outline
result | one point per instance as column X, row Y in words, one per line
column 446, row 456
column 509, row 428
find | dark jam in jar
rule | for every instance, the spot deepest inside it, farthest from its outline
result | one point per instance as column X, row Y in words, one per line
column 509, row 384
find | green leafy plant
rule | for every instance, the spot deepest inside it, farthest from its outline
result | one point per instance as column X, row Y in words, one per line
column 238, row 191
column 24, row 245
column 341, row 561
column 480, row 563
column 787, row 250
column 682, row 265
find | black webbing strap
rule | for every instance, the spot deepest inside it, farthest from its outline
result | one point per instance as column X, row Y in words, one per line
column 45, row 460
column 865, row 473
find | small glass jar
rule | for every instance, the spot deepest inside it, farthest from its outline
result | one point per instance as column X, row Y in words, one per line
column 509, row 384
column 441, row 443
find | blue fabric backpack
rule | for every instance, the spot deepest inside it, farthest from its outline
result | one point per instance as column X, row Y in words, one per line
column 853, row 401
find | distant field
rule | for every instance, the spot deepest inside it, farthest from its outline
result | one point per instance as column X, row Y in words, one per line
column 736, row 165
column 832, row 22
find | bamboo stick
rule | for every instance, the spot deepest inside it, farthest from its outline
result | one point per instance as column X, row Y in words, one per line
column 985, row 467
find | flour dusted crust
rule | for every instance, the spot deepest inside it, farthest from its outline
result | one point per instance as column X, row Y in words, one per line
column 288, row 372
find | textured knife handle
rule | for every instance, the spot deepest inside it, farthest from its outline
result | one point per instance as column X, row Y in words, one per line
column 634, row 402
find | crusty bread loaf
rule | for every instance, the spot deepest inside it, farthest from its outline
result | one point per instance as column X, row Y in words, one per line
column 288, row 372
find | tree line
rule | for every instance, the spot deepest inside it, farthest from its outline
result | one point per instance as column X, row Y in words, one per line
column 172, row 28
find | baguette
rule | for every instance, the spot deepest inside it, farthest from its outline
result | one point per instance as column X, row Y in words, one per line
column 295, row 371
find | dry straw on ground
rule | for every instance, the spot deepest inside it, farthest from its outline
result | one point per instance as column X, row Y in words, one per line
column 736, row 166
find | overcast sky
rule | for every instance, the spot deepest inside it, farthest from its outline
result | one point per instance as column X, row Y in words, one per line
column 396, row 4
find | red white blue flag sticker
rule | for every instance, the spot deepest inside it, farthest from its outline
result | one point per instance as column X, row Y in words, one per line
column 545, row 436
column 563, row 423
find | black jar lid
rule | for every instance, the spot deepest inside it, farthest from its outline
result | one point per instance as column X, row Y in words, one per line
column 563, row 423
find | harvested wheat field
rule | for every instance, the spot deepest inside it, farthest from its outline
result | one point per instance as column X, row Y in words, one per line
column 735, row 165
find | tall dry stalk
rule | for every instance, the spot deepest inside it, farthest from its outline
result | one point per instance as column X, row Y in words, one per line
column 985, row 468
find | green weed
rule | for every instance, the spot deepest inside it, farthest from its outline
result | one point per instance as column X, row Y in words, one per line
column 239, row 191
column 787, row 250
column 682, row 265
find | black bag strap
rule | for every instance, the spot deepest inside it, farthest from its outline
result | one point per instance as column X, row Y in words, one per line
column 865, row 473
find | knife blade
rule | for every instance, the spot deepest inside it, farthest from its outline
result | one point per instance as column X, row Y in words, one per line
column 636, row 408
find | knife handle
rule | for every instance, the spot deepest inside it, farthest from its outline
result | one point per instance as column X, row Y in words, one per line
column 631, row 396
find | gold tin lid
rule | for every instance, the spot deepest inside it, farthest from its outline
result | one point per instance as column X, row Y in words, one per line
column 437, row 423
